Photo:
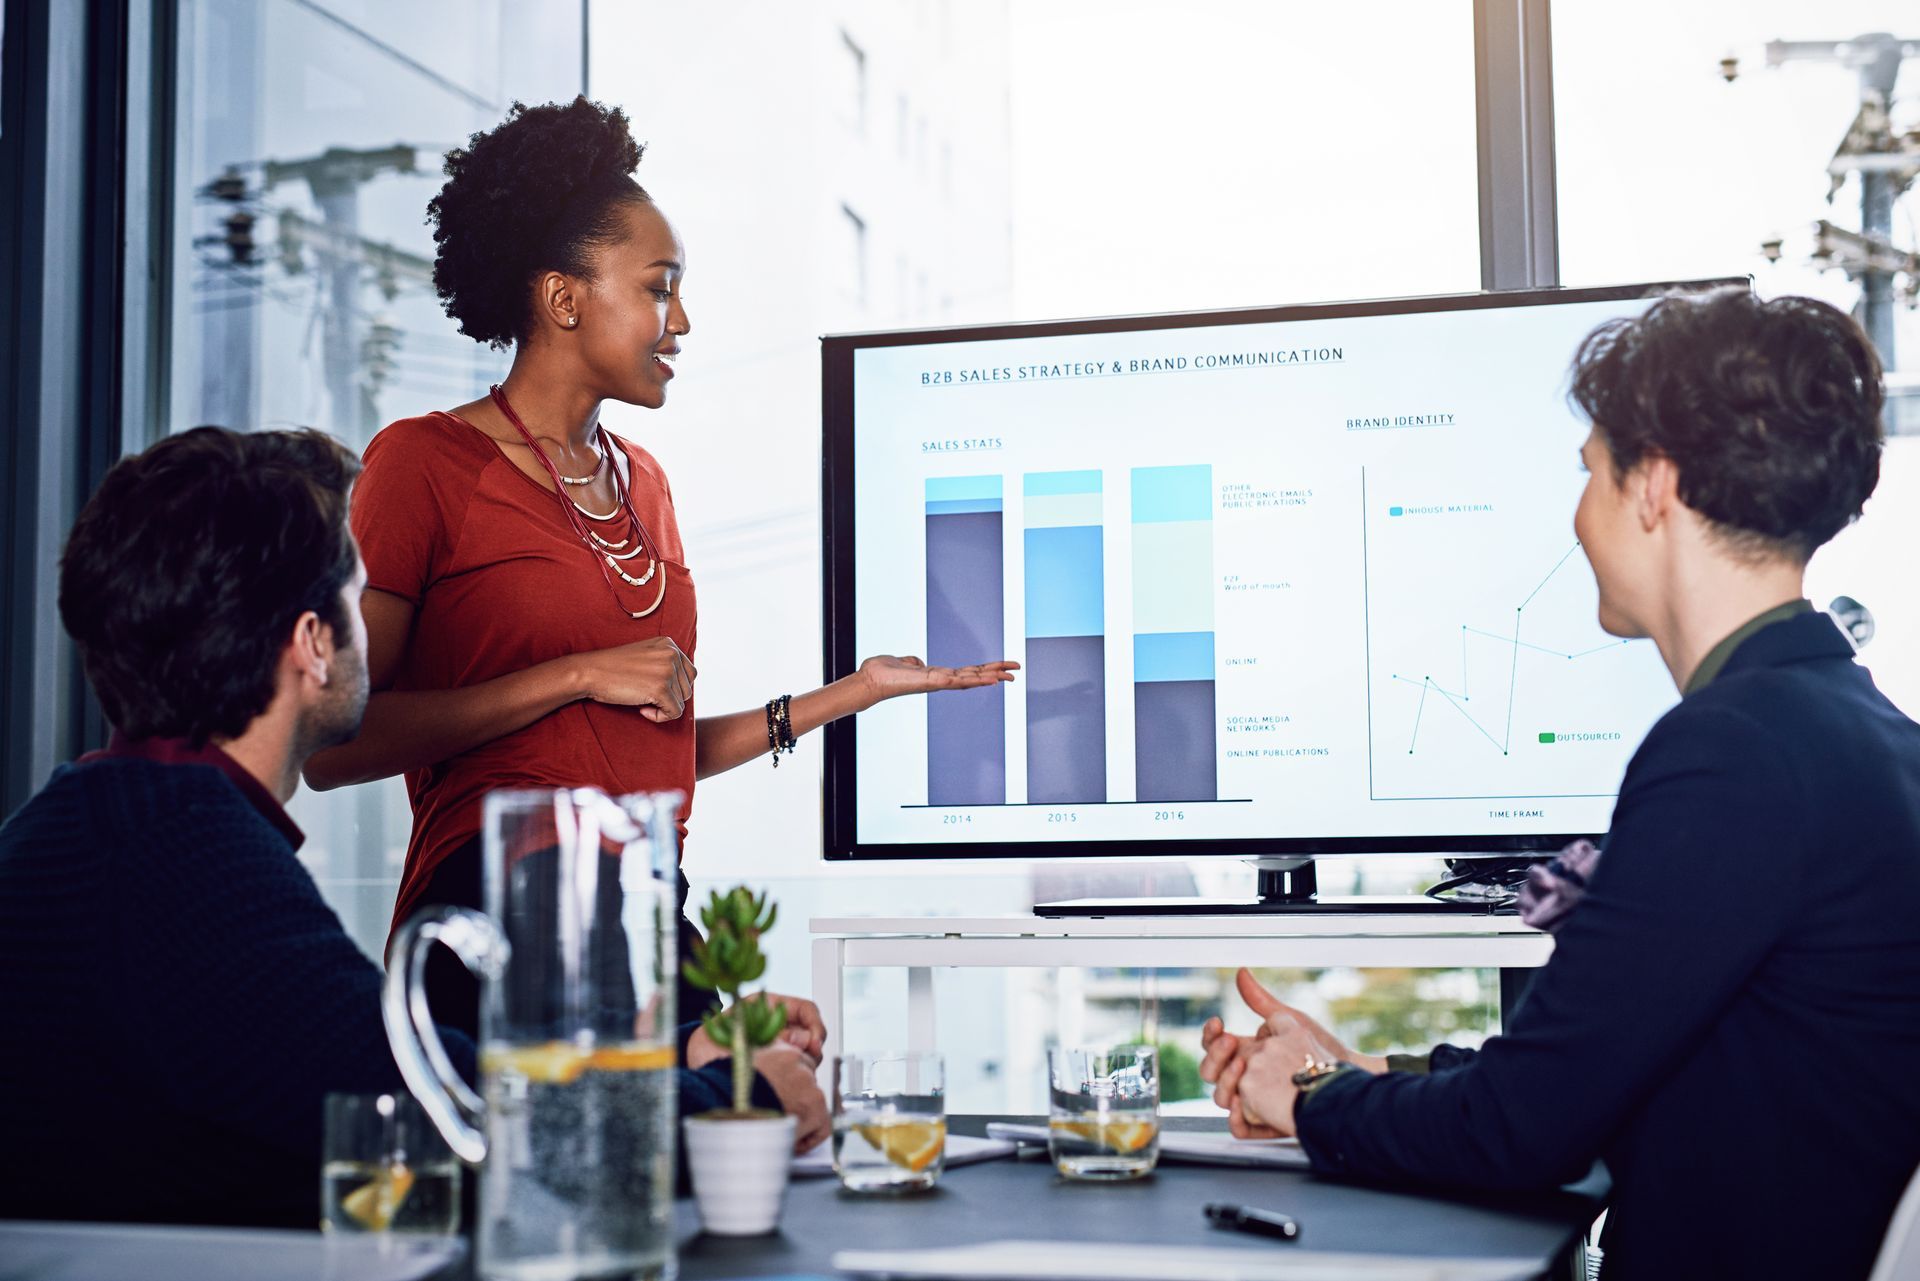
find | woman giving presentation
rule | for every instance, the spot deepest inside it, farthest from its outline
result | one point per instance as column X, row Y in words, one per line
column 530, row 614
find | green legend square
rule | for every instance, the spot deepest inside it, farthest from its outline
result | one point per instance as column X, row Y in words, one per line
column 1546, row 738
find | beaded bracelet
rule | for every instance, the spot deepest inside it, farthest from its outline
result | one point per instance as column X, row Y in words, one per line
column 779, row 727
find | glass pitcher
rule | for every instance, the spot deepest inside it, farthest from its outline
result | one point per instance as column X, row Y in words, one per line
column 573, row 1129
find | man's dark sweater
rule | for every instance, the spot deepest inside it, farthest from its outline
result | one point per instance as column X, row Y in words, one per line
column 177, row 1001
column 1732, row 1015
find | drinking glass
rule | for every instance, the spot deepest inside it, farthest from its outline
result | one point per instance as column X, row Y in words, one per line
column 573, row 1129
column 889, row 1121
column 1104, row 1112
column 384, row 1168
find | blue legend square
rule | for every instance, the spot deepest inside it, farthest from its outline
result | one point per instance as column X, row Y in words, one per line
column 1396, row 511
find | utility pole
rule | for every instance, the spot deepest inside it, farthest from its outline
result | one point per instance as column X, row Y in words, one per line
column 335, row 177
column 1887, row 164
column 356, row 351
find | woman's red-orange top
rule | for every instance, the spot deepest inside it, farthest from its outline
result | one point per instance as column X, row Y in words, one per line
column 499, row 581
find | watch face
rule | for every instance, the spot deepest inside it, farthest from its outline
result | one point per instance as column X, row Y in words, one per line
column 1314, row 1073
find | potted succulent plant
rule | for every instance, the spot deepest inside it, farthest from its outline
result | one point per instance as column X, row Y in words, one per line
column 738, row 1156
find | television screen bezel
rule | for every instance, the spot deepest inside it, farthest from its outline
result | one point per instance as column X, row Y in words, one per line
column 840, row 797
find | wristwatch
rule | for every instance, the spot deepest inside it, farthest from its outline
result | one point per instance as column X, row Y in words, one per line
column 1317, row 1072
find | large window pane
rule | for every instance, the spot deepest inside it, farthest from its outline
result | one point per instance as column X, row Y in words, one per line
column 1668, row 170
column 1240, row 153
column 309, row 141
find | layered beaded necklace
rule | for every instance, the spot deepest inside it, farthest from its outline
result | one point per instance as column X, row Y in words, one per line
column 599, row 461
column 609, row 555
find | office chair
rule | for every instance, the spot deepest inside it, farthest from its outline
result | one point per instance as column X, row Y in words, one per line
column 1900, row 1251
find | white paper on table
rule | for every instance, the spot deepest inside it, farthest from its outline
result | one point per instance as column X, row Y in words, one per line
column 1195, row 1147
column 961, row 1150
column 1138, row 1261
column 139, row 1252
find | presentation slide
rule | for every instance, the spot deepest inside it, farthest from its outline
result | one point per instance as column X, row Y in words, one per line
column 1307, row 579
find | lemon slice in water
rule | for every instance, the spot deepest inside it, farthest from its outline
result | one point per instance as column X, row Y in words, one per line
column 562, row 1062
column 1115, row 1136
column 914, row 1145
column 374, row 1204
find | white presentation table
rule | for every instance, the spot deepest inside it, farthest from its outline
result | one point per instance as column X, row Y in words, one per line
column 1412, row 940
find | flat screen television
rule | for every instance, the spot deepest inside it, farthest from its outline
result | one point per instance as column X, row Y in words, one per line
column 1284, row 582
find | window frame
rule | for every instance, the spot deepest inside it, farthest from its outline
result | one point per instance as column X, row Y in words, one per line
column 63, row 167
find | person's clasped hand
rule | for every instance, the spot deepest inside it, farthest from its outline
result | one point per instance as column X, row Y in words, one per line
column 790, row 1065
column 1252, row 1075
column 805, row 1031
column 652, row 675
column 794, row 1078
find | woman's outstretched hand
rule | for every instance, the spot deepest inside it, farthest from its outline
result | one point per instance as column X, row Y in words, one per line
column 888, row 676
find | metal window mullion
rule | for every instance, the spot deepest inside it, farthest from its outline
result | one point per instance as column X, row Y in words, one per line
column 64, row 157
column 1513, row 78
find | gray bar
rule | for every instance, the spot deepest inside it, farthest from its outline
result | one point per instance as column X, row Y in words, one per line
column 1174, row 755
column 966, row 729
column 1066, row 680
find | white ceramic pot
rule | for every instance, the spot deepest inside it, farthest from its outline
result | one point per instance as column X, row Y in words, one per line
column 739, row 1170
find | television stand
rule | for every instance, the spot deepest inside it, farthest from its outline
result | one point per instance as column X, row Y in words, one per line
column 1284, row 885
column 927, row 945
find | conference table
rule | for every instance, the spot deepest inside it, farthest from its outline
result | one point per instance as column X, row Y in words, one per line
column 1024, row 1200
column 1003, row 1200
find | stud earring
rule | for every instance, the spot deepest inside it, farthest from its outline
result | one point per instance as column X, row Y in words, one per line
column 572, row 321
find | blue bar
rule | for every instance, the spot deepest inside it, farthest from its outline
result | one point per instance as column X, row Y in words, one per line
column 1172, row 493
column 1173, row 656
column 962, row 506
column 1041, row 484
column 1065, row 588
column 946, row 489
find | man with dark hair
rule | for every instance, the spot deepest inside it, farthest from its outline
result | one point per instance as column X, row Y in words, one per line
column 177, row 998
column 1732, row 1009
column 197, row 570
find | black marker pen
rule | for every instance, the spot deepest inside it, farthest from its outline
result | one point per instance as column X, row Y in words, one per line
column 1244, row 1218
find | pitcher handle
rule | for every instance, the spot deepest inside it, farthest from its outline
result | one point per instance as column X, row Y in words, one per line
column 455, row 1110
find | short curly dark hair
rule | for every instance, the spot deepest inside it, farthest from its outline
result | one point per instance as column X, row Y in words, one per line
column 1770, row 411
column 188, row 567
column 541, row 191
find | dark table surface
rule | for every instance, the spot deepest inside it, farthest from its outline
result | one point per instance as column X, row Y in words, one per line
column 1026, row 1200
column 993, row 1201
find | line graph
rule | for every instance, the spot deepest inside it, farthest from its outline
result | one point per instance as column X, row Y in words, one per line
column 1458, row 699
column 1488, row 675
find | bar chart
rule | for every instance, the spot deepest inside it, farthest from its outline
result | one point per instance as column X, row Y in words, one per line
column 966, row 624
column 1066, row 666
column 1175, row 755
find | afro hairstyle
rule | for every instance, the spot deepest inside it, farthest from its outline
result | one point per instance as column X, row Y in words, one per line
column 541, row 191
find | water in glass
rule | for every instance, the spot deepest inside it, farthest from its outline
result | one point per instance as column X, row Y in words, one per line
column 1104, row 1114
column 889, row 1121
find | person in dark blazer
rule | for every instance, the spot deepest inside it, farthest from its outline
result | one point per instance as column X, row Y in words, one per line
column 1731, row 1015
